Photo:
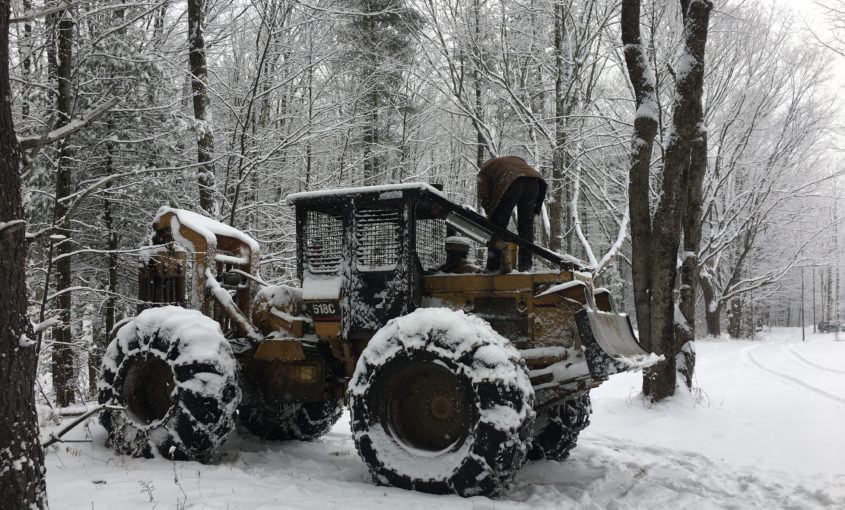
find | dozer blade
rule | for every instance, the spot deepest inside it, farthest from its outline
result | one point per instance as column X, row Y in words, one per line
column 609, row 344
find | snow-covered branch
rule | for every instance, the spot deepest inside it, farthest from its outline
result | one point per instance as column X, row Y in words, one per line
column 34, row 143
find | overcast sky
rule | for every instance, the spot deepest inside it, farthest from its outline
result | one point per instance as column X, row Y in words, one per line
column 813, row 17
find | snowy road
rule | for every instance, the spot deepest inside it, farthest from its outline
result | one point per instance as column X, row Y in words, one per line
column 767, row 431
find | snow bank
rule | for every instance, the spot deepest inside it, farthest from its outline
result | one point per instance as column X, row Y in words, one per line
column 747, row 439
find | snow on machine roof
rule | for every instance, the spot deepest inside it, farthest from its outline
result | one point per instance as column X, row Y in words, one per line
column 362, row 190
column 207, row 227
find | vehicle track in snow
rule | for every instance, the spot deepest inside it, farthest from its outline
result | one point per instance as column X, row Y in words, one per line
column 791, row 351
column 749, row 359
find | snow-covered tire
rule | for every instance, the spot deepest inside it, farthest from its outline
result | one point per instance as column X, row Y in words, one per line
column 557, row 427
column 174, row 374
column 441, row 403
column 303, row 421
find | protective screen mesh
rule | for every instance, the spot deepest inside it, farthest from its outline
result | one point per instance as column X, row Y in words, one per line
column 377, row 233
column 431, row 235
column 323, row 242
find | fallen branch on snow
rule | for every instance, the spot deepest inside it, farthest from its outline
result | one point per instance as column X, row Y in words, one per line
column 56, row 438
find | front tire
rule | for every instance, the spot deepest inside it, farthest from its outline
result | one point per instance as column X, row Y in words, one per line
column 176, row 378
column 441, row 403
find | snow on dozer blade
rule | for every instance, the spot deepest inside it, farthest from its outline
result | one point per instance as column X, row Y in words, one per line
column 609, row 343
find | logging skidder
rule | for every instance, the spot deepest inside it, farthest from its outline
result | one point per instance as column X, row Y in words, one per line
column 453, row 377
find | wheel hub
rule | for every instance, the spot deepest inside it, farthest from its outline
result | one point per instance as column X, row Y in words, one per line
column 427, row 406
column 441, row 407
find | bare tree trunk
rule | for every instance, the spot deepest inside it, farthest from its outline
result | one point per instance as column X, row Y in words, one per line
column 836, row 298
column 199, row 88
column 310, row 82
column 814, row 299
column 660, row 381
column 25, row 46
column 822, row 294
column 21, row 457
column 645, row 129
column 689, row 261
column 62, row 358
column 656, row 242
column 713, row 320
column 735, row 318
column 480, row 140
column 788, row 315
column 828, row 309
column 712, row 309
column 101, row 337
column 371, row 139
column 559, row 203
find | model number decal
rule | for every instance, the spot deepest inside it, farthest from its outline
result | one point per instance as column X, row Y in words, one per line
column 323, row 310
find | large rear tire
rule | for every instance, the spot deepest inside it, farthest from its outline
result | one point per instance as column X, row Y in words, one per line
column 174, row 374
column 441, row 403
column 303, row 421
column 557, row 428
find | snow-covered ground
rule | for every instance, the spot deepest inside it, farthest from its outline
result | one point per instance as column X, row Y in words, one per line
column 765, row 430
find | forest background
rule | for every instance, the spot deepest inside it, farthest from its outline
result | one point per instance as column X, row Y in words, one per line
column 295, row 95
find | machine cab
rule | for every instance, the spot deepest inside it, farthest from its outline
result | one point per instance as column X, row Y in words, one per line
column 362, row 253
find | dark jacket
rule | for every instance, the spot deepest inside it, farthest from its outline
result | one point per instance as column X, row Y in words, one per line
column 496, row 176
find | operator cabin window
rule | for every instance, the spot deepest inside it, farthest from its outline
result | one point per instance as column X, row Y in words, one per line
column 323, row 242
column 377, row 236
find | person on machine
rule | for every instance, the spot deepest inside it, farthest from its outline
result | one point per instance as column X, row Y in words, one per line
column 505, row 183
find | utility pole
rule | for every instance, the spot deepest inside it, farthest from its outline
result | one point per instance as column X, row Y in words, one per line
column 833, row 292
column 814, row 299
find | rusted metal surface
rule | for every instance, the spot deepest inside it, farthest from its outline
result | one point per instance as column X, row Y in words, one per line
column 280, row 382
column 229, row 247
column 285, row 350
